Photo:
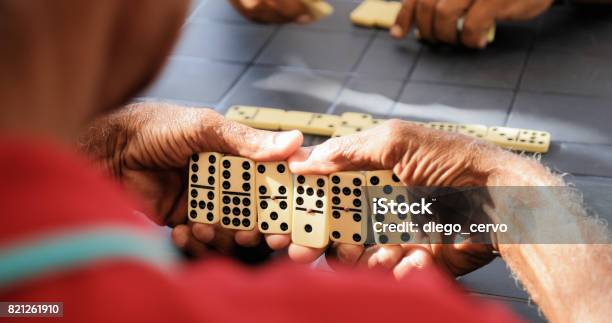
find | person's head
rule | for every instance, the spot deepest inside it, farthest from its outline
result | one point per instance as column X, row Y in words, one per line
column 64, row 61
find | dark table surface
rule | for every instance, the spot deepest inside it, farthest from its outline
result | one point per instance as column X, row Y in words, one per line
column 553, row 73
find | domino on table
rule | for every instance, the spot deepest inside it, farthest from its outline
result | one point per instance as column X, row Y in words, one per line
column 318, row 8
column 311, row 211
column 256, row 117
column 204, row 187
column 532, row 141
column 348, row 223
column 443, row 126
column 274, row 200
column 385, row 184
column 502, row 136
column 310, row 123
column 237, row 193
column 472, row 130
column 376, row 13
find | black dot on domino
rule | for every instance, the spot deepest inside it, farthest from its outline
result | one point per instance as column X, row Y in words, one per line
column 280, row 168
column 263, row 205
column 299, row 201
column 356, row 237
column 210, row 206
column 310, row 191
column 211, row 195
column 261, row 169
column 226, row 174
column 193, row 214
column 246, row 187
column 236, row 222
column 320, row 193
column 226, row 220
column 308, row 228
column 357, row 217
column 400, row 199
column 202, row 205
column 194, row 193
column 262, row 190
column 387, row 189
column 383, row 238
column 357, row 202
column 246, row 201
column 212, row 159
column 195, row 168
column 320, row 182
column 195, row 157
column 246, row 165
column 210, row 216
column 374, row 180
column 264, row 226
column 246, row 222
column 283, row 205
column 236, row 200
column 211, row 180
column 227, row 164
column 346, row 191
column 357, row 182
column 357, row 192
column 194, row 203
column 336, row 235
column 336, row 190
column 405, row 237
column 274, row 216
column 246, row 212
column 301, row 179
column 319, row 203
column 227, row 210
column 226, row 185
column 335, row 179
column 282, row 190
column 236, row 211
column 336, row 214
column 226, row 199
column 212, row 169
column 380, row 217
column 246, row 176
column 336, row 200
column 284, row 226
column 300, row 190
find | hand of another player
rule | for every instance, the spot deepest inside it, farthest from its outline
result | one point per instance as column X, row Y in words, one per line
column 147, row 147
column 419, row 157
column 273, row 11
column 436, row 20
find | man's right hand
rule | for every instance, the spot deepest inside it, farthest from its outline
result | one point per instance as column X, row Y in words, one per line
column 419, row 157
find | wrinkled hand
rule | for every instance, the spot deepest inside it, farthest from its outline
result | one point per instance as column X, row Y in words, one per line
column 419, row 157
column 147, row 148
column 436, row 20
column 273, row 11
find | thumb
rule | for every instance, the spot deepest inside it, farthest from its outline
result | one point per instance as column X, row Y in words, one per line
column 259, row 145
column 366, row 150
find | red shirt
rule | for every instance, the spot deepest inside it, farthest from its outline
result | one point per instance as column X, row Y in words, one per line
column 47, row 193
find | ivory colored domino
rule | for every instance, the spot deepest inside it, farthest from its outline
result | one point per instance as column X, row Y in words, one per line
column 311, row 211
column 310, row 123
column 204, row 188
column 502, row 136
column 256, row 117
column 348, row 223
column 376, row 13
column 385, row 184
column 532, row 141
column 238, row 193
column 318, row 8
column 472, row 130
column 274, row 197
column 345, row 131
column 356, row 119
column 443, row 126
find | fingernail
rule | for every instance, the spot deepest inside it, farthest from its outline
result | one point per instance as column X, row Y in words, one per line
column 417, row 259
column 396, row 31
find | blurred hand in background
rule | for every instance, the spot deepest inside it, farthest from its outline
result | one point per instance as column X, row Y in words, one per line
column 273, row 11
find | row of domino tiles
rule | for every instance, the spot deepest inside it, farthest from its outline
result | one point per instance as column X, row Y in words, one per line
column 239, row 194
column 352, row 122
